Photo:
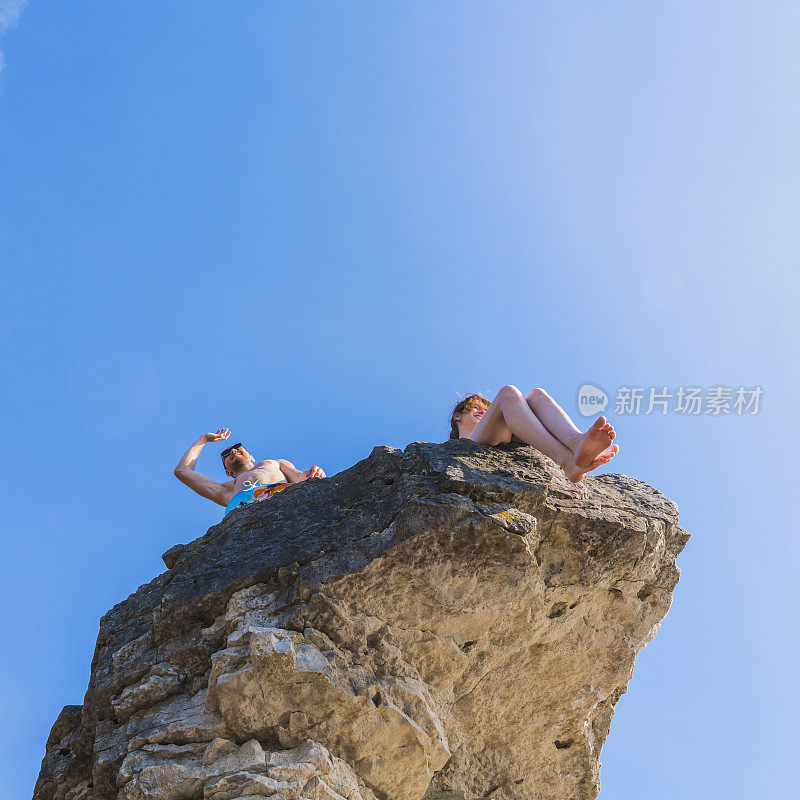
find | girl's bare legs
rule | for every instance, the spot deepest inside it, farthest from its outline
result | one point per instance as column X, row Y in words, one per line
column 585, row 446
column 510, row 416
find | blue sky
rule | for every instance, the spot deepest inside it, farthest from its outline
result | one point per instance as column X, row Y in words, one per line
column 316, row 223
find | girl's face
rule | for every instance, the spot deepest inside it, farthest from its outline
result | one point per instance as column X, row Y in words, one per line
column 470, row 417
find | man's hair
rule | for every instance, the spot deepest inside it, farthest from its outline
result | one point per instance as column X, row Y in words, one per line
column 466, row 404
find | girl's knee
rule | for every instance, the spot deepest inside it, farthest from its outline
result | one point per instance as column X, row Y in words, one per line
column 510, row 393
column 537, row 394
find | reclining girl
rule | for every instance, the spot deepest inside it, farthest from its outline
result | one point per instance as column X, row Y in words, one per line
column 537, row 420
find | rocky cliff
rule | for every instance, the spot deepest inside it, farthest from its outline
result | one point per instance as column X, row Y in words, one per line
column 449, row 621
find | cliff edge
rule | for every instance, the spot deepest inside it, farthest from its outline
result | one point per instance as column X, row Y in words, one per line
column 448, row 622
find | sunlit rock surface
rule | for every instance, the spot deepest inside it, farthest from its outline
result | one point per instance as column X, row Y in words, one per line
column 451, row 621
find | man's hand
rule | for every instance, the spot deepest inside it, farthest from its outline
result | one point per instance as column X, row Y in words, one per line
column 314, row 472
column 220, row 436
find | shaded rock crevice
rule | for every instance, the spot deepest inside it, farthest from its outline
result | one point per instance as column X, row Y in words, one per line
column 449, row 621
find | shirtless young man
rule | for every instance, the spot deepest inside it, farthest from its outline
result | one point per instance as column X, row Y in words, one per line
column 251, row 480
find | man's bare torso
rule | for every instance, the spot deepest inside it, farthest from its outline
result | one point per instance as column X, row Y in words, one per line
column 262, row 472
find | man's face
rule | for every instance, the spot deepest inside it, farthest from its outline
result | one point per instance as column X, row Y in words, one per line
column 238, row 460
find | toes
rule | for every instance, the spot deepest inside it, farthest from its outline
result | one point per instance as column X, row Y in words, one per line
column 603, row 458
column 607, row 455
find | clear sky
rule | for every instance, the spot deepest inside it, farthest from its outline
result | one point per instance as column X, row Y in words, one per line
column 316, row 223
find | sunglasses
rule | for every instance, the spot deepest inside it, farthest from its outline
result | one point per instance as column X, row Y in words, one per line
column 227, row 451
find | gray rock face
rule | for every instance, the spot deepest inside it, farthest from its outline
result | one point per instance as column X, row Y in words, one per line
column 449, row 621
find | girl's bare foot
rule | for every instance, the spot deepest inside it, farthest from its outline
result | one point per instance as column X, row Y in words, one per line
column 575, row 473
column 593, row 443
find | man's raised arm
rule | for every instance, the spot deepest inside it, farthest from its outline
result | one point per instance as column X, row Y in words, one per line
column 202, row 484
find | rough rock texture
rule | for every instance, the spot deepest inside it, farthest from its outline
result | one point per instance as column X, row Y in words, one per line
column 452, row 621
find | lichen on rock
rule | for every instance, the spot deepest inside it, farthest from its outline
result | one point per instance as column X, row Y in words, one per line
column 450, row 621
